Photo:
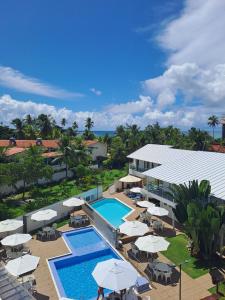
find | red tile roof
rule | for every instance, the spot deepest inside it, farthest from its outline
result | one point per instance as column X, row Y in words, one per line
column 28, row 143
column 90, row 142
column 13, row 151
column 51, row 154
column 217, row 148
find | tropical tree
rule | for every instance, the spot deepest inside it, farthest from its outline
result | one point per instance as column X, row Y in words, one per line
column 18, row 123
column 29, row 167
column 45, row 125
column 202, row 218
column 75, row 128
column 73, row 153
column 63, row 122
column 213, row 121
column 88, row 134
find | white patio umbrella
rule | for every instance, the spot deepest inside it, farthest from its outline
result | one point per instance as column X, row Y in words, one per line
column 16, row 239
column 73, row 202
column 136, row 190
column 145, row 204
column 152, row 243
column 158, row 211
column 44, row 215
column 133, row 228
column 10, row 225
column 115, row 274
column 22, row 265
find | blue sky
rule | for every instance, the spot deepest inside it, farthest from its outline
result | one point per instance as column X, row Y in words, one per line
column 112, row 57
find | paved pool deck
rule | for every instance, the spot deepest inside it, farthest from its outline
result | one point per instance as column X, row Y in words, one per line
column 192, row 289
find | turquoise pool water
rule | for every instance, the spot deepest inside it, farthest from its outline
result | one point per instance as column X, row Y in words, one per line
column 112, row 210
column 73, row 273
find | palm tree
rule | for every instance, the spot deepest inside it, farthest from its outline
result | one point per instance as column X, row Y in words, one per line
column 213, row 121
column 18, row 123
column 45, row 124
column 202, row 218
column 63, row 122
column 88, row 134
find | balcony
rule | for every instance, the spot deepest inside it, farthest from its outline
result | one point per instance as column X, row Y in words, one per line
column 158, row 190
column 137, row 169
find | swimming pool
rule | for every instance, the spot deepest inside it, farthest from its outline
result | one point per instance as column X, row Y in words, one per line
column 72, row 273
column 112, row 210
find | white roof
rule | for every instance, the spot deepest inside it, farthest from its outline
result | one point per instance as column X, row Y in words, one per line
column 195, row 165
column 159, row 154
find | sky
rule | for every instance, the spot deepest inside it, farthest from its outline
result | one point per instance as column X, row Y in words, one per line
column 118, row 62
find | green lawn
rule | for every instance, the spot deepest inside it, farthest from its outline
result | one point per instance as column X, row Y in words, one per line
column 47, row 195
column 221, row 290
column 178, row 253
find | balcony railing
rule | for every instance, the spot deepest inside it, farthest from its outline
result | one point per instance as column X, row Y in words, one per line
column 138, row 169
column 158, row 190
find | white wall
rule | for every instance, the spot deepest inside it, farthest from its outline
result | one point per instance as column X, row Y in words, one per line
column 62, row 211
column 6, row 190
column 98, row 149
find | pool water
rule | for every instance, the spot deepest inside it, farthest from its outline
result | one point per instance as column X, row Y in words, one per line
column 85, row 241
column 112, row 210
column 72, row 273
column 76, row 278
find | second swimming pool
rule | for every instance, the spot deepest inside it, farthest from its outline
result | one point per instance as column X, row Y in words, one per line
column 112, row 210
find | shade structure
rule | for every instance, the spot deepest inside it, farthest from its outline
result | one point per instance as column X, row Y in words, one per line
column 22, row 265
column 115, row 274
column 130, row 179
column 133, row 228
column 152, row 243
column 16, row 239
column 10, row 225
column 136, row 190
column 44, row 215
column 145, row 204
column 158, row 211
column 73, row 202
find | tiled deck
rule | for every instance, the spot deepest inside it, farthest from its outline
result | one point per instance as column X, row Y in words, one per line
column 192, row 289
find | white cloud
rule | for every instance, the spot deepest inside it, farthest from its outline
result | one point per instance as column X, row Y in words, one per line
column 194, row 83
column 131, row 107
column 197, row 35
column 96, row 92
column 105, row 119
column 14, row 79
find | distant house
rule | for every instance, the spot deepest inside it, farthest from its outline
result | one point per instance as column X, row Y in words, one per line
column 98, row 150
column 217, row 148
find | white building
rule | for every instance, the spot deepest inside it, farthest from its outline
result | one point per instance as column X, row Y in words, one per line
column 97, row 149
column 161, row 165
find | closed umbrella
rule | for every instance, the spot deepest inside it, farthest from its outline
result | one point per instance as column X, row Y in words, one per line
column 136, row 190
column 44, row 215
column 73, row 202
column 16, row 239
column 145, row 204
column 22, row 265
column 152, row 243
column 158, row 211
column 133, row 228
column 115, row 274
column 10, row 225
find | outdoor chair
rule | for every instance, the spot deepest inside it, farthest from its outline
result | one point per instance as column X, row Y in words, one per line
column 51, row 233
column 135, row 252
column 166, row 276
column 54, row 226
column 41, row 235
column 156, row 274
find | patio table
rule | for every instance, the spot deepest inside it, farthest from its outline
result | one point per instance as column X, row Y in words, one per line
column 162, row 267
